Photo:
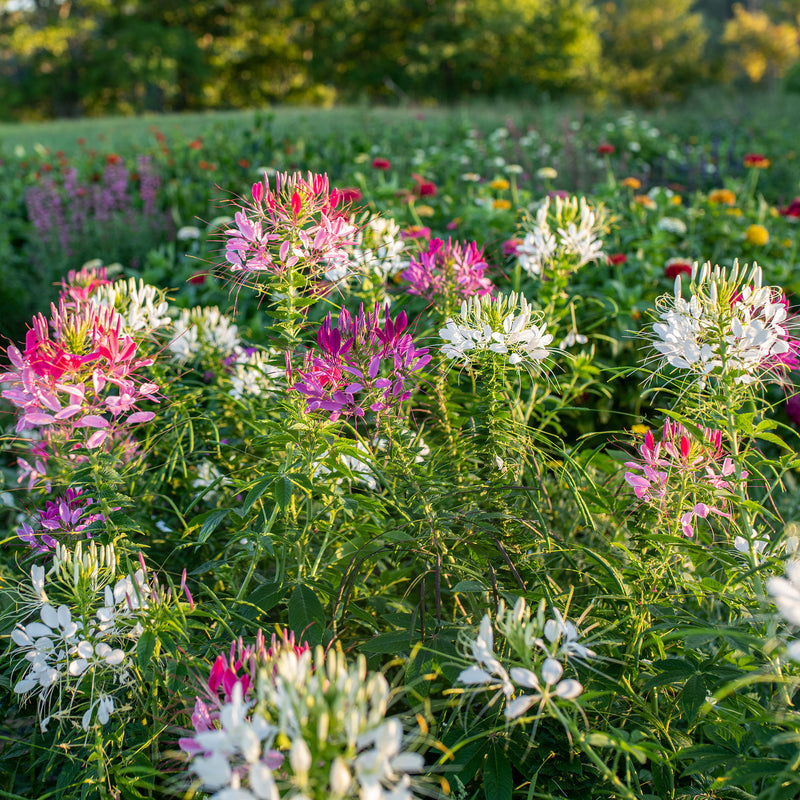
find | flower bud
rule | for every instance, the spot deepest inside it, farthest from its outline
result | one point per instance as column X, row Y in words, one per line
column 340, row 777
column 300, row 758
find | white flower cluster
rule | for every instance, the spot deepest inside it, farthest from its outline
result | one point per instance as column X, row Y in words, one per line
column 143, row 307
column 252, row 375
column 729, row 328
column 530, row 639
column 330, row 715
column 672, row 225
column 203, row 331
column 786, row 594
column 376, row 252
column 502, row 325
column 79, row 653
column 567, row 231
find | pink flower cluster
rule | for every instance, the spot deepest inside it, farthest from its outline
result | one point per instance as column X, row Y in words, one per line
column 452, row 271
column 296, row 224
column 680, row 467
column 360, row 362
column 241, row 666
column 61, row 519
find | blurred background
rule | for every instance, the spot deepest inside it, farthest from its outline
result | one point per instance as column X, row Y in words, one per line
column 72, row 58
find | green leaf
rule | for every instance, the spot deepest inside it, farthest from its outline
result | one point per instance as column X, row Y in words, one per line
column 306, row 615
column 282, row 491
column 663, row 779
column 260, row 486
column 391, row 642
column 144, row 649
column 497, row 782
column 670, row 670
column 469, row 586
column 693, row 696
column 210, row 522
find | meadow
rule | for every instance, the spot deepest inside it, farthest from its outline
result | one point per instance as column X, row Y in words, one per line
column 397, row 453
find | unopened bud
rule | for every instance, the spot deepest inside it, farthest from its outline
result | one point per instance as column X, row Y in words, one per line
column 340, row 777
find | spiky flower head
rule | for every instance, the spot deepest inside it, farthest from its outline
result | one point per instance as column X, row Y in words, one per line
column 505, row 326
column 732, row 331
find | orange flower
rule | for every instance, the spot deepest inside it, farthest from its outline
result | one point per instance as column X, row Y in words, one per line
column 196, row 144
column 632, row 183
column 644, row 200
column 501, row 205
column 756, row 161
column 725, row 196
column 499, row 184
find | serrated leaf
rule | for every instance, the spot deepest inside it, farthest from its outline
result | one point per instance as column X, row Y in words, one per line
column 391, row 642
column 260, row 486
column 211, row 523
column 693, row 696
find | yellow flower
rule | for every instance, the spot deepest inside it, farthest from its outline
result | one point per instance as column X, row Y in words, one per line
column 499, row 184
column 757, row 235
column 725, row 196
column 632, row 183
column 639, row 428
column 676, row 200
column 501, row 205
column 735, row 212
column 425, row 211
column 787, row 243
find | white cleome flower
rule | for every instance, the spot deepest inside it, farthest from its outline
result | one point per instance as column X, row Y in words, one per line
column 502, row 325
column 732, row 327
column 142, row 307
column 203, row 331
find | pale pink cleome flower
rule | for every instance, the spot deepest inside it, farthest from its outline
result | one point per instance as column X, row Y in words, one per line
column 679, row 468
column 298, row 223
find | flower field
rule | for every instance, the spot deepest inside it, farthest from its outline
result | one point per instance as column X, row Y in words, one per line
column 453, row 461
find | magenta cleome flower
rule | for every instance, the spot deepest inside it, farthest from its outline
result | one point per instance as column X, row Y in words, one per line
column 360, row 363
column 448, row 273
column 296, row 224
column 61, row 520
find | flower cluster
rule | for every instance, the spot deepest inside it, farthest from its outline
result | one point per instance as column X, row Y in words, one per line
column 204, row 333
column 76, row 655
column 684, row 473
column 564, row 236
column 504, row 325
column 361, row 363
column 732, row 328
column 143, row 307
column 328, row 719
column 447, row 273
column 75, row 379
column 377, row 252
column 61, row 519
column 295, row 225
column 786, row 594
column 539, row 649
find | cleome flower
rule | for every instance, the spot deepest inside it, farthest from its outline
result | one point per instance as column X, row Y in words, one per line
column 203, row 332
column 319, row 730
column 786, row 595
column 447, row 273
column 295, row 224
column 682, row 472
column 61, row 519
column 504, row 326
column 536, row 650
column 564, row 236
column 360, row 364
column 732, row 329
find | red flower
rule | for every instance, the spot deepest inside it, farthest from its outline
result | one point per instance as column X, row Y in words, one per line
column 424, row 188
column 756, row 160
column 349, row 194
column 792, row 210
column 381, row 163
column 243, row 162
column 196, row 144
column 198, row 278
column 677, row 266
column 616, row 258
column 113, row 158
column 605, row 149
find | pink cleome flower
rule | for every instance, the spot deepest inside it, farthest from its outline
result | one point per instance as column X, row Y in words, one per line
column 296, row 224
column 678, row 469
column 451, row 270
column 360, row 363
column 76, row 372
column 61, row 519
